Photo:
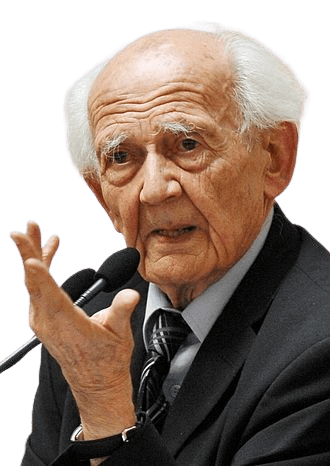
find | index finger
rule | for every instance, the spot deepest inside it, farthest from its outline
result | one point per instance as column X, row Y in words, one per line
column 24, row 245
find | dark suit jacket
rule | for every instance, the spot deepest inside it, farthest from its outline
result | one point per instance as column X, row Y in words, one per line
column 258, row 391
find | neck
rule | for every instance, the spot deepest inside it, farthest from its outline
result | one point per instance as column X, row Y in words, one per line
column 180, row 295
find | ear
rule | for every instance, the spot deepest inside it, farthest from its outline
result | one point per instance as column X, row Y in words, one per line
column 281, row 143
column 93, row 182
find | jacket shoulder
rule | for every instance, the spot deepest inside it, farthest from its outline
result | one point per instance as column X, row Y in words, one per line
column 314, row 261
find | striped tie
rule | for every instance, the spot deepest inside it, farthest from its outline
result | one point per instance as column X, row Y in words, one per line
column 168, row 333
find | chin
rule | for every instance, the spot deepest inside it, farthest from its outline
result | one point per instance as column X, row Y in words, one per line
column 174, row 272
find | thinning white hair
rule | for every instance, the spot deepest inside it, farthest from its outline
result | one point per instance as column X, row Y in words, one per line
column 80, row 137
column 265, row 91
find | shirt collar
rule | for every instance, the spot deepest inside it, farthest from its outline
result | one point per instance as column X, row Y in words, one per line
column 215, row 297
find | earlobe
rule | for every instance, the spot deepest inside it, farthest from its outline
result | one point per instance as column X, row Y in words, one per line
column 282, row 143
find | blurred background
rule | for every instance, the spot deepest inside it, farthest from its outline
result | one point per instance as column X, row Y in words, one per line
column 45, row 48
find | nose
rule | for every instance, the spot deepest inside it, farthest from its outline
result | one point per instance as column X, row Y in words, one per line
column 160, row 180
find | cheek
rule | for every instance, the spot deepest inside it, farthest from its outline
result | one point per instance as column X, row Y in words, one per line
column 232, row 203
column 234, row 183
column 112, row 206
column 122, row 208
column 215, row 191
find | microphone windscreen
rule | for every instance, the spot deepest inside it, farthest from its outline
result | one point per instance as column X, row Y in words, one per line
column 119, row 268
column 79, row 282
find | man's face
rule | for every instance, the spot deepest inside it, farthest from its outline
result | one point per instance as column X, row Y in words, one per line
column 175, row 177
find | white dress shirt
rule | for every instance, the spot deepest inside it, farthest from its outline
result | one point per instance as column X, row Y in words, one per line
column 202, row 312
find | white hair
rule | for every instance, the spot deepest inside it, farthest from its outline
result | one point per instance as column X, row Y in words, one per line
column 80, row 137
column 265, row 91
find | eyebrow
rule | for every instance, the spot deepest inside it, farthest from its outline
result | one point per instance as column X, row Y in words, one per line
column 173, row 127
column 176, row 127
column 112, row 143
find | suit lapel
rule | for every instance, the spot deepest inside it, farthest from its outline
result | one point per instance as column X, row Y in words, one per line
column 208, row 382
column 215, row 372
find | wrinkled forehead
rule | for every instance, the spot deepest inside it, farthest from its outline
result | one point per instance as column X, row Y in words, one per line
column 164, row 58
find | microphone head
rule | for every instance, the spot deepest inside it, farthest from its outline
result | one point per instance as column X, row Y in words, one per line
column 79, row 282
column 119, row 268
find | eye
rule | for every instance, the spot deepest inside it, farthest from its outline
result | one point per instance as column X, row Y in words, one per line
column 119, row 157
column 189, row 144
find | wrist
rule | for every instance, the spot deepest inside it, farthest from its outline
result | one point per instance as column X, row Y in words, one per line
column 108, row 424
column 78, row 433
column 107, row 414
column 97, row 451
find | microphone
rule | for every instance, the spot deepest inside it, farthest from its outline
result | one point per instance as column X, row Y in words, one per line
column 113, row 273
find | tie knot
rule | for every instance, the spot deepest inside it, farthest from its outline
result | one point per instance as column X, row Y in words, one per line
column 169, row 330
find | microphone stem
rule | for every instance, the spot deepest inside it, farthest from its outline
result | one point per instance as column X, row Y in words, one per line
column 19, row 354
column 91, row 292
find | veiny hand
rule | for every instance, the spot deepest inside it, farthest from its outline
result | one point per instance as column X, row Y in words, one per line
column 94, row 353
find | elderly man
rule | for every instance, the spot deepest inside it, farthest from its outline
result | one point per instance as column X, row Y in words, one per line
column 186, row 138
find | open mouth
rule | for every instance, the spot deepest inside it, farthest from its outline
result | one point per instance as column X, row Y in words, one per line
column 174, row 233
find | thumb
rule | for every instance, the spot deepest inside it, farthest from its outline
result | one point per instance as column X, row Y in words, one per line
column 117, row 317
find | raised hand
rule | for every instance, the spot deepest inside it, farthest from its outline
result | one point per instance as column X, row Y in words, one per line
column 94, row 353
